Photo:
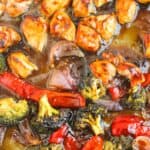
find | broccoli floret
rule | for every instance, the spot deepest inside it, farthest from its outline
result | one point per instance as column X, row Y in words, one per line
column 121, row 143
column 2, row 63
column 11, row 111
column 94, row 89
column 45, row 109
column 90, row 117
column 136, row 100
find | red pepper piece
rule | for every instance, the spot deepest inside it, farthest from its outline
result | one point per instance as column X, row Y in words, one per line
column 147, row 80
column 116, row 93
column 129, row 125
column 29, row 91
column 95, row 143
column 70, row 143
column 58, row 136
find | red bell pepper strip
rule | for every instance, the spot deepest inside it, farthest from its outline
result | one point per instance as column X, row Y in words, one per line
column 147, row 80
column 70, row 143
column 29, row 91
column 116, row 93
column 129, row 125
column 58, row 136
column 95, row 143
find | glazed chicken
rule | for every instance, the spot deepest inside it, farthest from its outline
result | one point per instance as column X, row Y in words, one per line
column 8, row 37
column 62, row 26
column 126, row 10
column 49, row 7
column 83, row 8
column 106, row 25
column 87, row 38
column 15, row 8
column 35, row 32
column 20, row 64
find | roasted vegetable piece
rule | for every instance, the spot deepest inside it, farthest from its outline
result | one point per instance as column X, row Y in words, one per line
column 119, row 143
column 147, row 80
column 129, row 125
column 137, row 99
column 45, row 109
column 126, row 10
column 12, row 111
column 2, row 63
column 100, row 3
column 49, row 7
column 147, row 44
column 20, row 64
column 62, row 26
column 14, row 8
column 132, row 72
column 35, row 32
column 87, row 38
column 103, row 69
column 141, row 143
column 28, row 91
column 83, row 8
column 94, row 143
column 90, row 117
column 58, row 136
column 95, row 90
column 70, row 143
column 8, row 37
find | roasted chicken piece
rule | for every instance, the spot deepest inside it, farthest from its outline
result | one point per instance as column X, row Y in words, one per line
column 106, row 25
column 126, row 10
column 147, row 44
column 62, row 26
column 15, row 8
column 99, row 3
column 87, row 38
column 83, row 8
column 104, row 70
column 20, row 64
column 2, row 8
column 35, row 32
column 8, row 37
column 49, row 7
column 131, row 72
column 143, row 1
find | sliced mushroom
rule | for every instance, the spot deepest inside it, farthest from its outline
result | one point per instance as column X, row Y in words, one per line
column 63, row 48
column 87, row 38
column 8, row 37
column 62, row 26
column 35, row 32
column 20, row 64
column 126, row 10
column 15, row 8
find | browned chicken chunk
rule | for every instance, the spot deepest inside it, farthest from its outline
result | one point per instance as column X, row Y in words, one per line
column 62, row 26
column 126, row 10
column 87, row 38
column 15, row 8
column 8, row 37
column 48, row 7
column 20, row 64
column 83, row 8
column 35, row 32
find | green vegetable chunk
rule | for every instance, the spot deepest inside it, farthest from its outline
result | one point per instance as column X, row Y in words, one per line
column 2, row 63
column 11, row 111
